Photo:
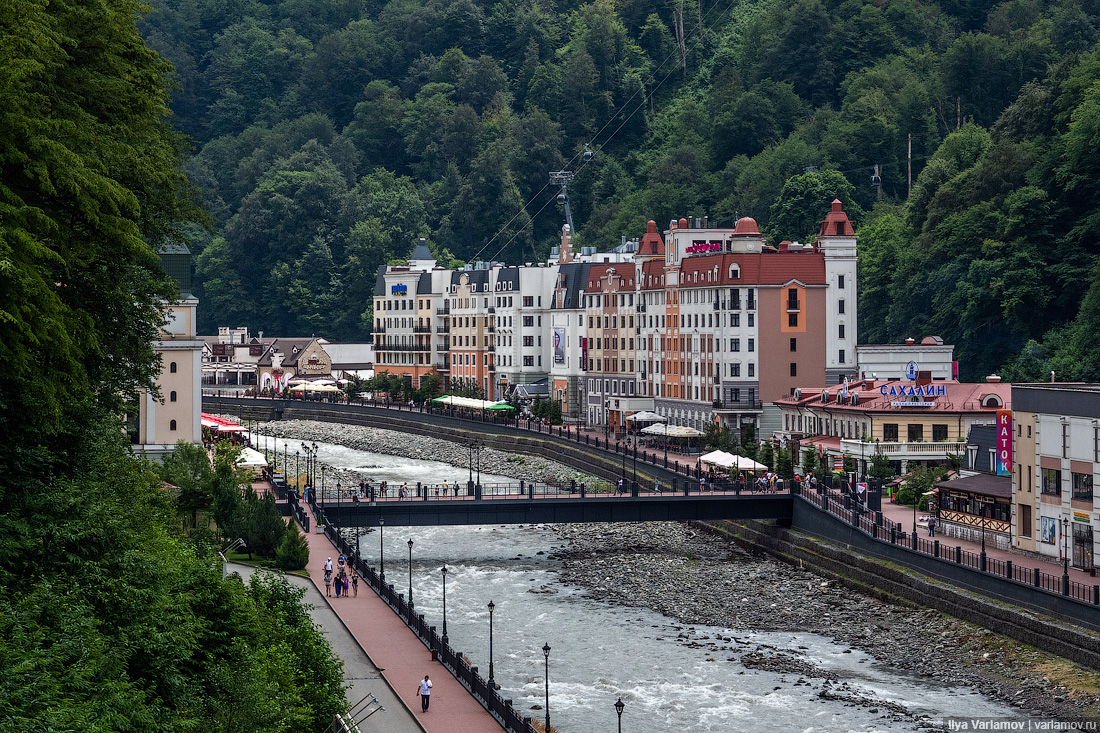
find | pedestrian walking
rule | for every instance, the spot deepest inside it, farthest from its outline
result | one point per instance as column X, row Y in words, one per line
column 355, row 585
column 931, row 526
column 425, row 690
column 328, row 565
column 657, row 486
column 328, row 584
column 456, row 488
column 339, row 585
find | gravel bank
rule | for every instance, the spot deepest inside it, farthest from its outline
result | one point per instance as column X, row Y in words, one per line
column 697, row 578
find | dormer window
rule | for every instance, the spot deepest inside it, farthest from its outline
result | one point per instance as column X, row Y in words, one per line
column 735, row 272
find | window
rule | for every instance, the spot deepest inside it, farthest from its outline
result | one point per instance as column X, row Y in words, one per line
column 752, row 319
column 172, row 367
column 841, row 356
column 752, row 345
column 916, row 433
column 735, row 370
column 939, row 433
column 735, row 344
column 794, row 369
column 1052, row 482
column 172, row 396
column 528, row 321
column 752, row 369
column 794, row 344
column 840, row 281
column 528, row 301
column 172, row 425
column 840, row 306
column 735, row 320
column 1082, row 486
column 792, row 320
column 890, row 432
column 528, row 340
column 840, row 331
column 528, row 361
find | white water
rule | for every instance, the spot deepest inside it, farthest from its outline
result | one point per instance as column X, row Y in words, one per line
column 600, row 652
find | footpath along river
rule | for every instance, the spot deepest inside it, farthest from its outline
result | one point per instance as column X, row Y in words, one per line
column 670, row 675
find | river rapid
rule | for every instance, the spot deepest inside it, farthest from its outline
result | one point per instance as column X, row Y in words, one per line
column 689, row 632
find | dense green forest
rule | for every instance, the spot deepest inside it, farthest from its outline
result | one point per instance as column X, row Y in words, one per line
column 330, row 134
column 112, row 618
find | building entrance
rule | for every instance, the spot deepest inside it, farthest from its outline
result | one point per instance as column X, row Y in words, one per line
column 1082, row 546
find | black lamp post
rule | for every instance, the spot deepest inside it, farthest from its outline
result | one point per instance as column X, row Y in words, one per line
column 479, row 447
column 313, row 481
column 1065, row 556
column 981, row 557
column 444, row 571
column 323, row 484
column 410, row 573
column 492, row 681
column 297, row 475
column 382, row 550
column 546, row 655
column 619, row 706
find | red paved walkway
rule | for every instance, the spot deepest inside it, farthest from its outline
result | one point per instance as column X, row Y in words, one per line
column 904, row 515
column 401, row 658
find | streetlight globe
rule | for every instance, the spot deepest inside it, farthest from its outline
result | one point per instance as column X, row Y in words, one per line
column 546, row 650
column 410, row 544
column 491, row 606
column 444, row 571
column 619, row 707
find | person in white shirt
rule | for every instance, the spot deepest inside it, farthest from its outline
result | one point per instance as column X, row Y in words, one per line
column 328, row 565
column 425, row 689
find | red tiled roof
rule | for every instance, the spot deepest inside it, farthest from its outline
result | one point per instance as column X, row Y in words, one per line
column 758, row 269
column 958, row 397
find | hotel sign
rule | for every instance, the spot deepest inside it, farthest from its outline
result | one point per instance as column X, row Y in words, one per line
column 1004, row 442
column 398, row 289
column 699, row 246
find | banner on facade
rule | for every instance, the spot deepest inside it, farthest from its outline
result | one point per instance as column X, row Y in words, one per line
column 584, row 354
column 1004, row 442
column 559, row 345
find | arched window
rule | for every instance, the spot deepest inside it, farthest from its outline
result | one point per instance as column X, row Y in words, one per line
column 172, row 367
column 172, row 396
column 172, row 425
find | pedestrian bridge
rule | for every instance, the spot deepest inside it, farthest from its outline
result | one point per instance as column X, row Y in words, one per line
column 556, row 508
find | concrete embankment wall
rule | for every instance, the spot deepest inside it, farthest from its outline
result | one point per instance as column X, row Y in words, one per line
column 887, row 581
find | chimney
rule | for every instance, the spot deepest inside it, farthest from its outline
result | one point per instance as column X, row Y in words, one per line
column 910, row 341
column 706, row 222
column 993, row 378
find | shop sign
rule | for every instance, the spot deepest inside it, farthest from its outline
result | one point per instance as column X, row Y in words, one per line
column 398, row 289
column 584, row 354
column 1004, row 442
column 909, row 390
column 1080, row 517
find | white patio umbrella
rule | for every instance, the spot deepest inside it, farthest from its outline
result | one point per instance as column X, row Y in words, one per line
column 646, row 416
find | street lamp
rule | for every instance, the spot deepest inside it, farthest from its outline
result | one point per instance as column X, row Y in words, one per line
column 323, row 484
column 410, row 573
column 444, row 571
column 619, row 706
column 1065, row 556
column 492, row 682
column 297, row 474
column 546, row 655
column 382, row 550
column 981, row 558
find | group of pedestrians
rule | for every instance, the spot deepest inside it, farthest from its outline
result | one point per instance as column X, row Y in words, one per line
column 339, row 579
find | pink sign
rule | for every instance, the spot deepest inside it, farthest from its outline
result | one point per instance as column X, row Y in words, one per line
column 1004, row 442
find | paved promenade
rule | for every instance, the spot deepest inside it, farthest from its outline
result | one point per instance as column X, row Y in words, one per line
column 904, row 515
column 400, row 657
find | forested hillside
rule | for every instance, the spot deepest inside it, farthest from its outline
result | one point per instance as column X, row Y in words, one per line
column 331, row 133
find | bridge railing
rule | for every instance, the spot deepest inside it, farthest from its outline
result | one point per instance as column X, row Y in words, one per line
column 852, row 511
column 455, row 662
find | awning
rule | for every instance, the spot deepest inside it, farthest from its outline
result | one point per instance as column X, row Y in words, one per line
column 468, row 402
column 500, row 407
column 744, row 463
column 672, row 431
column 219, row 424
column 251, row 457
column 645, row 416
column 719, row 458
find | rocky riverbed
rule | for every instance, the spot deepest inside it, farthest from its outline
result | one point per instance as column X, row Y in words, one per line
column 700, row 579
column 391, row 442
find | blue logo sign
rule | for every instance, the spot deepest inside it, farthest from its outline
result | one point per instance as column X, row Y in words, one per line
column 911, row 370
column 395, row 289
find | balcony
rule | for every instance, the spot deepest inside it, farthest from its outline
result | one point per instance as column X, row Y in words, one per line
column 750, row 305
column 735, row 305
column 900, row 451
column 440, row 367
column 379, row 330
column 641, row 307
column 444, row 311
column 717, row 304
column 737, row 405
column 793, row 305
column 443, row 329
column 422, row 329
